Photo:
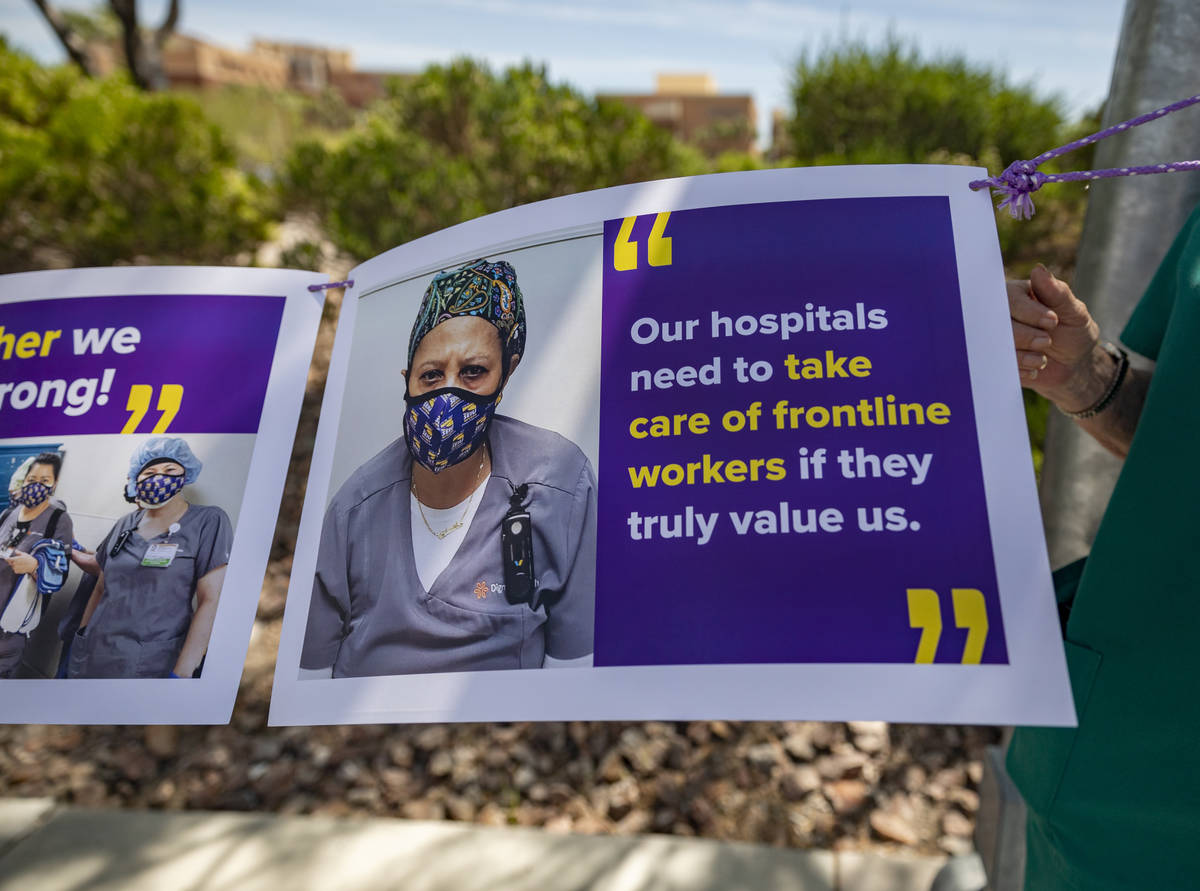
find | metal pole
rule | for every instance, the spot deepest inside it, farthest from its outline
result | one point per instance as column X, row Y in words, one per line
column 1130, row 223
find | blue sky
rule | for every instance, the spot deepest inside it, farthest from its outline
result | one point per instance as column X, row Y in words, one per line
column 1064, row 47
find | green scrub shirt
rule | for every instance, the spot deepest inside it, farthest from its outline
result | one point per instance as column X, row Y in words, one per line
column 1115, row 803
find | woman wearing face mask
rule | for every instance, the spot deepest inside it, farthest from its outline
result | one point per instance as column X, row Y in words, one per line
column 410, row 574
column 155, row 562
column 31, row 517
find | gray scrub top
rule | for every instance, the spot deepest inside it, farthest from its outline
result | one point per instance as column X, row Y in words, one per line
column 369, row 613
column 12, row 646
column 142, row 619
column 64, row 531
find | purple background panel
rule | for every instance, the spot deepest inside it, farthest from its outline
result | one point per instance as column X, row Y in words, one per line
column 820, row 597
column 219, row 348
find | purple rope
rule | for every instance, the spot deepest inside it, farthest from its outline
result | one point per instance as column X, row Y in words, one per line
column 1022, row 178
column 325, row 287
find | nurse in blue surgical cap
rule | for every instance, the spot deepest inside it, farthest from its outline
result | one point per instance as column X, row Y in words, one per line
column 162, row 566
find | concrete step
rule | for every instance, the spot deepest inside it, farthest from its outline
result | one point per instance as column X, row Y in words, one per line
column 54, row 848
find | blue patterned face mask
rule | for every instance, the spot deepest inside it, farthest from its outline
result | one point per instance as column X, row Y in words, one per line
column 32, row 494
column 445, row 426
column 158, row 489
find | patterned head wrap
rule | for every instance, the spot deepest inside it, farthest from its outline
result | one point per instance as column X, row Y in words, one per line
column 486, row 290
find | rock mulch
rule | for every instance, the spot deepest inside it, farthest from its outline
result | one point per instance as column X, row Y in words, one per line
column 800, row 784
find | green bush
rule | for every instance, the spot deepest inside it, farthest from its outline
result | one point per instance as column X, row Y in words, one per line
column 263, row 124
column 459, row 141
column 857, row 104
column 95, row 172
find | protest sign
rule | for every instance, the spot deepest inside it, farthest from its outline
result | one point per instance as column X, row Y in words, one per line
column 140, row 398
column 789, row 400
column 760, row 454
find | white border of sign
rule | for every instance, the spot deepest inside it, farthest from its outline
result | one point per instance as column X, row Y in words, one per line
column 1033, row 689
column 208, row 699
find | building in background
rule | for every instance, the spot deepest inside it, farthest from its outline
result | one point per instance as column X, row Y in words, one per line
column 191, row 62
column 198, row 64
column 689, row 106
column 781, row 140
column 312, row 69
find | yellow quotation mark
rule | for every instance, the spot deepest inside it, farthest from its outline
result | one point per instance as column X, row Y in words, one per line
column 658, row 246
column 970, row 611
column 170, row 398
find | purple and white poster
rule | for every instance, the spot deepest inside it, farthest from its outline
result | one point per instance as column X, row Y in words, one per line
column 147, row 417
column 742, row 446
column 788, row 440
column 137, row 363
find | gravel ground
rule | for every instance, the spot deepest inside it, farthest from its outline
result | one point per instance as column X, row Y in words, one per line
column 793, row 783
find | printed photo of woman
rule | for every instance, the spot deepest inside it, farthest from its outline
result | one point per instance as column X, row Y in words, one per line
column 36, row 533
column 468, row 543
column 150, row 614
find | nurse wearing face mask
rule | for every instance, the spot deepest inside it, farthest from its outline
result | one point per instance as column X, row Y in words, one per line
column 411, row 573
column 156, row 562
column 31, row 517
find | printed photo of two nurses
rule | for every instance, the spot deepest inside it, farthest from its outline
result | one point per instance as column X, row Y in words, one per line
column 113, row 552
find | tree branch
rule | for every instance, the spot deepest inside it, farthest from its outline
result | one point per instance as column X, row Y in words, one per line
column 144, row 57
column 131, row 38
column 167, row 28
column 71, row 42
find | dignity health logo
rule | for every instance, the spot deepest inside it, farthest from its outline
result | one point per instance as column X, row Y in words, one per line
column 482, row 589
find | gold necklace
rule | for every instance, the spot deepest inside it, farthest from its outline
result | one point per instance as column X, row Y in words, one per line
column 457, row 524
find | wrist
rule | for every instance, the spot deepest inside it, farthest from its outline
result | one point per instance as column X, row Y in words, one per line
column 1087, row 382
column 1097, row 385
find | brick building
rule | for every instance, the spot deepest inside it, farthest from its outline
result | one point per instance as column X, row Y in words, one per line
column 689, row 106
column 192, row 62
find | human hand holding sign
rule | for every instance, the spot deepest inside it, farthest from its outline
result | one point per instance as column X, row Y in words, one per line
column 1055, row 337
column 1062, row 357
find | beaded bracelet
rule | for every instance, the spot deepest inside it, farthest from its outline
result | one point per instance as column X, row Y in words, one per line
column 1122, row 359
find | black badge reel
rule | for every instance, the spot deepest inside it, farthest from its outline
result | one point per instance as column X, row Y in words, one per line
column 516, row 545
column 120, row 542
